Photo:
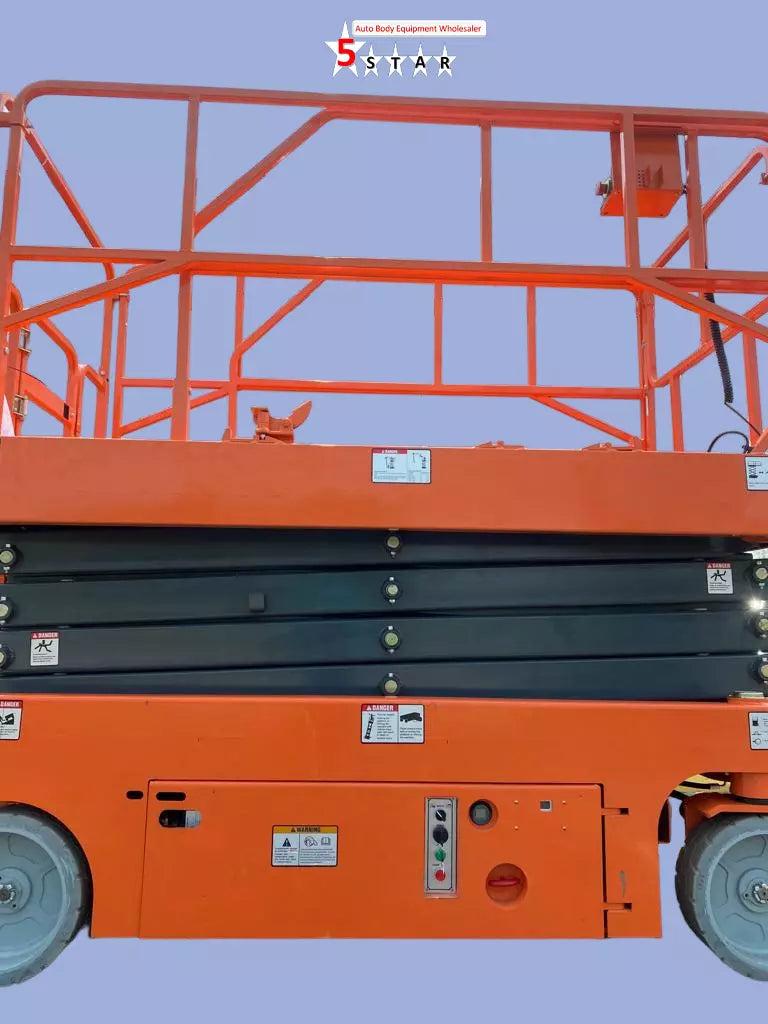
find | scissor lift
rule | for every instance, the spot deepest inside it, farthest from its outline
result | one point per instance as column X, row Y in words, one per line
column 447, row 679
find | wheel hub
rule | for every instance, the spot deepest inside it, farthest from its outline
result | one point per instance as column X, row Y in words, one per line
column 753, row 890
column 15, row 887
column 759, row 893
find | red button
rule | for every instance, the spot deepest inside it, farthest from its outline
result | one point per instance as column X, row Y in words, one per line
column 440, row 875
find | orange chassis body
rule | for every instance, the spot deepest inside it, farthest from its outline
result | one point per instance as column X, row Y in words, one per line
column 247, row 764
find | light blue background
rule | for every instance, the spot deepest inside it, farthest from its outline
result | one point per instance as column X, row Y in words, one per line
column 386, row 191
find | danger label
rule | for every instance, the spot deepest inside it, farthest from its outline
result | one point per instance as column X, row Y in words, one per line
column 719, row 578
column 401, row 466
column 10, row 719
column 758, row 731
column 392, row 723
column 757, row 472
column 305, row 846
column 44, row 649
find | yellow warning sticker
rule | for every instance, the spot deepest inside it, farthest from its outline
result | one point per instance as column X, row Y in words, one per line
column 305, row 846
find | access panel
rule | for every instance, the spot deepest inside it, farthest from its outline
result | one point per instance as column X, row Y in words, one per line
column 346, row 860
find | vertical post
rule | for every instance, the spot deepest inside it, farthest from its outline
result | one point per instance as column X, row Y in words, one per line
column 616, row 159
column 697, row 236
column 530, row 325
column 73, row 399
column 697, row 243
column 234, row 381
column 122, row 338
column 76, row 408
column 7, row 239
column 752, row 380
column 438, row 317
column 105, row 365
column 629, row 192
column 678, row 441
column 486, row 198
column 646, row 351
column 16, row 362
column 181, row 397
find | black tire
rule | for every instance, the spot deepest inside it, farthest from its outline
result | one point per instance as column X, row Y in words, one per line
column 722, row 888
column 684, row 904
column 44, row 892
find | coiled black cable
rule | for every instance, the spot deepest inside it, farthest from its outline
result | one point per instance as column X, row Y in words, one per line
column 725, row 376
column 722, row 359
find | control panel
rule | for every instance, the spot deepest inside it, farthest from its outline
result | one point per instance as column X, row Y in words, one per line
column 440, row 847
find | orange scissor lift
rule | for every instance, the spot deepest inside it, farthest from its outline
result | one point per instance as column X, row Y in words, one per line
column 385, row 692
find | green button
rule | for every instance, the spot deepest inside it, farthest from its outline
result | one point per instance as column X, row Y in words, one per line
column 439, row 854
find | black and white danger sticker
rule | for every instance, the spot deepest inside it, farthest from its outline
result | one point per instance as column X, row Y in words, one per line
column 758, row 731
column 401, row 465
column 719, row 578
column 44, row 649
column 10, row 719
column 305, row 846
column 392, row 723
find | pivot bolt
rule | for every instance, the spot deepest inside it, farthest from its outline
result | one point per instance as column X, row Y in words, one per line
column 393, row 544
column 760, row 572
column 8, row 556
column 392, row 590
column 6, row 609
column 390, row 638
column 6, row 656
column 761, row 624
column 390, row 685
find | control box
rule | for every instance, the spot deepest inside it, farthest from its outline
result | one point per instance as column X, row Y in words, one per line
column 440, row 847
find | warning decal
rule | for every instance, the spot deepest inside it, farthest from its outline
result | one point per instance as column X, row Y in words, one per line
column 719, row 578
column 392, row 723
column 757, row 472
column 44, row 649
column 401, row 466
column 758, row 731
column 305, row 846
column 10, row 719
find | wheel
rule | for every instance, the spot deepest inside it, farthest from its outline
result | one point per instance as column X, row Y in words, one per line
column 44, row 893
column 722, row 888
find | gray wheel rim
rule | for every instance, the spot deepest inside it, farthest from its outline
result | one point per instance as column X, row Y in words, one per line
column 32, row 905
column 736, row 897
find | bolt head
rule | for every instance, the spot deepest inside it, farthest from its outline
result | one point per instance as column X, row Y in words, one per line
column 391, row 639
column 7, row 556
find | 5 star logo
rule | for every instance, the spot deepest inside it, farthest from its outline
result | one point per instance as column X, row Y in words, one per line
column 346, row 50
